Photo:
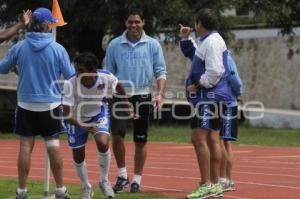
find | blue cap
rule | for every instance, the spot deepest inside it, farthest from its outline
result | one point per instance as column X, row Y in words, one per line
column 44, row 15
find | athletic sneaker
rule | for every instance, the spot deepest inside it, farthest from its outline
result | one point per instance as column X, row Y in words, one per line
column 87, row 193
column 135, row 188
column 22, row 195
column 61, row 195
column 121, row 184
column 106, row 189
column 227, row 185
column 203, row 191
column 216, row 190
column 230, row 186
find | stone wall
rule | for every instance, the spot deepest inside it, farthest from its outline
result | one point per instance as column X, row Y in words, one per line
column 269, row 68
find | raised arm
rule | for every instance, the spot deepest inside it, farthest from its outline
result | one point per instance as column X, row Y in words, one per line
column 10, row 32
column 187, row 45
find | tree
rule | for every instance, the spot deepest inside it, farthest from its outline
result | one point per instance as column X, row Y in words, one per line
column 284, row 14
column 89, row 21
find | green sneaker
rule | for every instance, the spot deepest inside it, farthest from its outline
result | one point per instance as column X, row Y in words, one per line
column 216, row 190
column 203, row 191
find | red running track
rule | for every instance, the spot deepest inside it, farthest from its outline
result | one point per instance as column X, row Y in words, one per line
column 171, row 169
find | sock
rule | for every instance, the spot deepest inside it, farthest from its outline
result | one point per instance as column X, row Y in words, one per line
column 137, row 179
column 81, row 170
column 104, row 163
column 123, row 172
column 61, row 189
column 21, row 190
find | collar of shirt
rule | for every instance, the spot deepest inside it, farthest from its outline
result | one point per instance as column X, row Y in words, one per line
column 125, row 40
column 205, row 35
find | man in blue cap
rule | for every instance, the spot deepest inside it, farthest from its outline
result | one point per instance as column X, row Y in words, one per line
column 41, row 61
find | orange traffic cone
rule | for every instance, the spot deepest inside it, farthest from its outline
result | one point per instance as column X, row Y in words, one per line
column 57, row 13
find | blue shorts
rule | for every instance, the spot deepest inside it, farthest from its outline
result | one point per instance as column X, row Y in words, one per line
column 229, row 123
column 217, row 116
column 77, row 137
column 206, row 117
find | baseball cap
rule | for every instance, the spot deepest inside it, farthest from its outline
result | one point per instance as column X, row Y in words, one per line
column 44, row 15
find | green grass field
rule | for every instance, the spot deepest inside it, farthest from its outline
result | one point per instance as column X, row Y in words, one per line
column 8, row 189
column 247, row 135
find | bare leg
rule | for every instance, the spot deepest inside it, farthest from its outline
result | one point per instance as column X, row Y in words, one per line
column 215, row 150
column 229, row 159
column 102, row 142
column 78, row 154
column 140, row 157
column 24, row 159
column 224, row 160
column 199, row 140
column 104, row 158
column 119, row 150
column 56, row 163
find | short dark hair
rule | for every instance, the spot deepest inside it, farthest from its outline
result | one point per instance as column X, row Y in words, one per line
column 87, row 60
column 136, row 11
column 208, row 19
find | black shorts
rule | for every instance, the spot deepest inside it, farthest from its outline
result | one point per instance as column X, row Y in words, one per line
column 229, row 123
column 119, row 118
column 32, row 123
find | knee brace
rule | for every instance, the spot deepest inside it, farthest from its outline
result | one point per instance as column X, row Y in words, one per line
column 52, row 143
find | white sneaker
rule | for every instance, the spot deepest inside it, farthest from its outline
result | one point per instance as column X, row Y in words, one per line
column 62, row 195
column 87, row 193
column 231, row 186
column 22, row 195
column 106, row 189
column 227, row 185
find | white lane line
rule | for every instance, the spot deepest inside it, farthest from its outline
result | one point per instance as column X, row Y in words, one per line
column 163, row 189
column 235, row 197
column 167, row 168
column 269, row 185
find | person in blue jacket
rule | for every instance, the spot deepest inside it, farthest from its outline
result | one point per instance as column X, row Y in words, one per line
column 135, row 59
column 208, row 89
column 229, row 126
column 229, row 121
column 41, row 62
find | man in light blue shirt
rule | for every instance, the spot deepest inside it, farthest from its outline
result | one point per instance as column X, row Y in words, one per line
column 135, row 59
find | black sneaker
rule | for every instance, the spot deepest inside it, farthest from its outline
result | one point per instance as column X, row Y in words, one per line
column 121, row 184
column 135, row 188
